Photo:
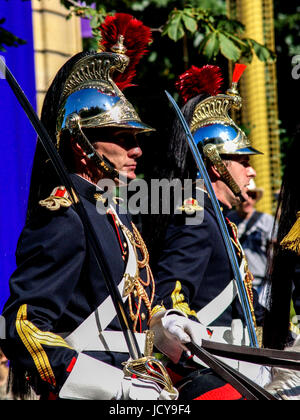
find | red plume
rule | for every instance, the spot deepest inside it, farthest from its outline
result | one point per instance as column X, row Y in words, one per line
column 136, row 38
column 238, row 71
column 207, row 79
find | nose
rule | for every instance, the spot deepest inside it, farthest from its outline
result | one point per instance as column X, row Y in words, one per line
column 251, row 172
column 135, row 152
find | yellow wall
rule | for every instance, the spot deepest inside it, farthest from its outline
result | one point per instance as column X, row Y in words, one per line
column 55, row 41
column 254, row 87
column 259, row 91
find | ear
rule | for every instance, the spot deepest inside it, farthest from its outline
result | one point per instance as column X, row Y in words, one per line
column 213, row 172
column 77, row 149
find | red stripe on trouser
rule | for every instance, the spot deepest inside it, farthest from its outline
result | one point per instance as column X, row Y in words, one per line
column 226, row 392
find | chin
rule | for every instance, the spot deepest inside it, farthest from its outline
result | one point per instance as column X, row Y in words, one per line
column 129, row 175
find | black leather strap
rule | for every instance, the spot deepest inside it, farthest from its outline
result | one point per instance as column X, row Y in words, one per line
column 247, row 388
column 266, row 357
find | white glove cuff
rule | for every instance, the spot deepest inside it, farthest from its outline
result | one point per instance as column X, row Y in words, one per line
column 174, row 312
column 171, row 347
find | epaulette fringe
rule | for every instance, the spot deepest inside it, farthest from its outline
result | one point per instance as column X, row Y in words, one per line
column 57, row 199
column 292, row 239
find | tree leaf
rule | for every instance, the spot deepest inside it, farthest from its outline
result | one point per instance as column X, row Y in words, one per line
column 247, row 51
column 190, row 23
column 230, row 25
column 94, row 22
column 262, row 52
column 174, row 28
column 176, row 31
column 210, row 45
column 228, row 48
column 9, row 39
column 140, row 6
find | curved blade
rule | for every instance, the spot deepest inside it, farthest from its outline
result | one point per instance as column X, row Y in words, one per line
column 266, row 357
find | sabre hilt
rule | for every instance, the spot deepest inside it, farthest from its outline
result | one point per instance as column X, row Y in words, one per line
column 148, row 367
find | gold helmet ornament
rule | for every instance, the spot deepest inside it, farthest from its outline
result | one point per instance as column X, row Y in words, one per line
column 214, row 131
column 92, row 96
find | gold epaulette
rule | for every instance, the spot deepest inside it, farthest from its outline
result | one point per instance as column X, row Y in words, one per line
column 190, row 206
column 292, row 239
column 57, row 199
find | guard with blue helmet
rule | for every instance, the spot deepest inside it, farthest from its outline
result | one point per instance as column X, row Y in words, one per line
column 194, row 277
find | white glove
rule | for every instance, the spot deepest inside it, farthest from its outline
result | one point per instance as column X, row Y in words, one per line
column 184, row 329
column 142, row 389
column 172, row 331
column 286, row 382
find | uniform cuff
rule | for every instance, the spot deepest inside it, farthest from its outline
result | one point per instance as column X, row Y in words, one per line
column 91, row 379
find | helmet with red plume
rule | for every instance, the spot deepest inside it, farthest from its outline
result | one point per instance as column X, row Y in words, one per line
column 214, row 131
column 211, row 123
column 92, row 95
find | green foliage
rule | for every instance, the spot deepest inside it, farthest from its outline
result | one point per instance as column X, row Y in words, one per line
column 95, row 17
column 7, row 39
column 185, row 33
column 287, row 25
column 221, row 35
column 287, row 29
column 179, row 20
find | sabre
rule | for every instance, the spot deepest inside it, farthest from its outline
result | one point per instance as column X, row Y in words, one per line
column 240, row 382
column 59, row 166
column 242, row 293
column 265, row 357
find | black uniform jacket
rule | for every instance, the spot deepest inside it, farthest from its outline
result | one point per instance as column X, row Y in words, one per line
column 194, row 267
column 57, row 285
column 296, row 292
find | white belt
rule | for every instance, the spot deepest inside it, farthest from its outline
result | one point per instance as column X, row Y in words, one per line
column 226, row 335
column 87, row 336
column 238, row 335
column 217, row 306
column 235, row 334
column 113, row 341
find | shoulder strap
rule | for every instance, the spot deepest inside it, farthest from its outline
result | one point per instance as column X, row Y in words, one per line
column 256, row 216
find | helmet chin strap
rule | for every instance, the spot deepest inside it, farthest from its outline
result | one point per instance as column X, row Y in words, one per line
column 102, row 162
column 211, row 152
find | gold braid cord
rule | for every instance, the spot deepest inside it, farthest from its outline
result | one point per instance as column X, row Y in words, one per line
column 36, row 342
column 140, row 285
column 58, row 198
column 248, row 278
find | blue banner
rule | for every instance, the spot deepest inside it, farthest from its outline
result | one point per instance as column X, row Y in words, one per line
column 18, row 138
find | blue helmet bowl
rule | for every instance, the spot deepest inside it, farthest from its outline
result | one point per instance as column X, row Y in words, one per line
column 228, row 139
